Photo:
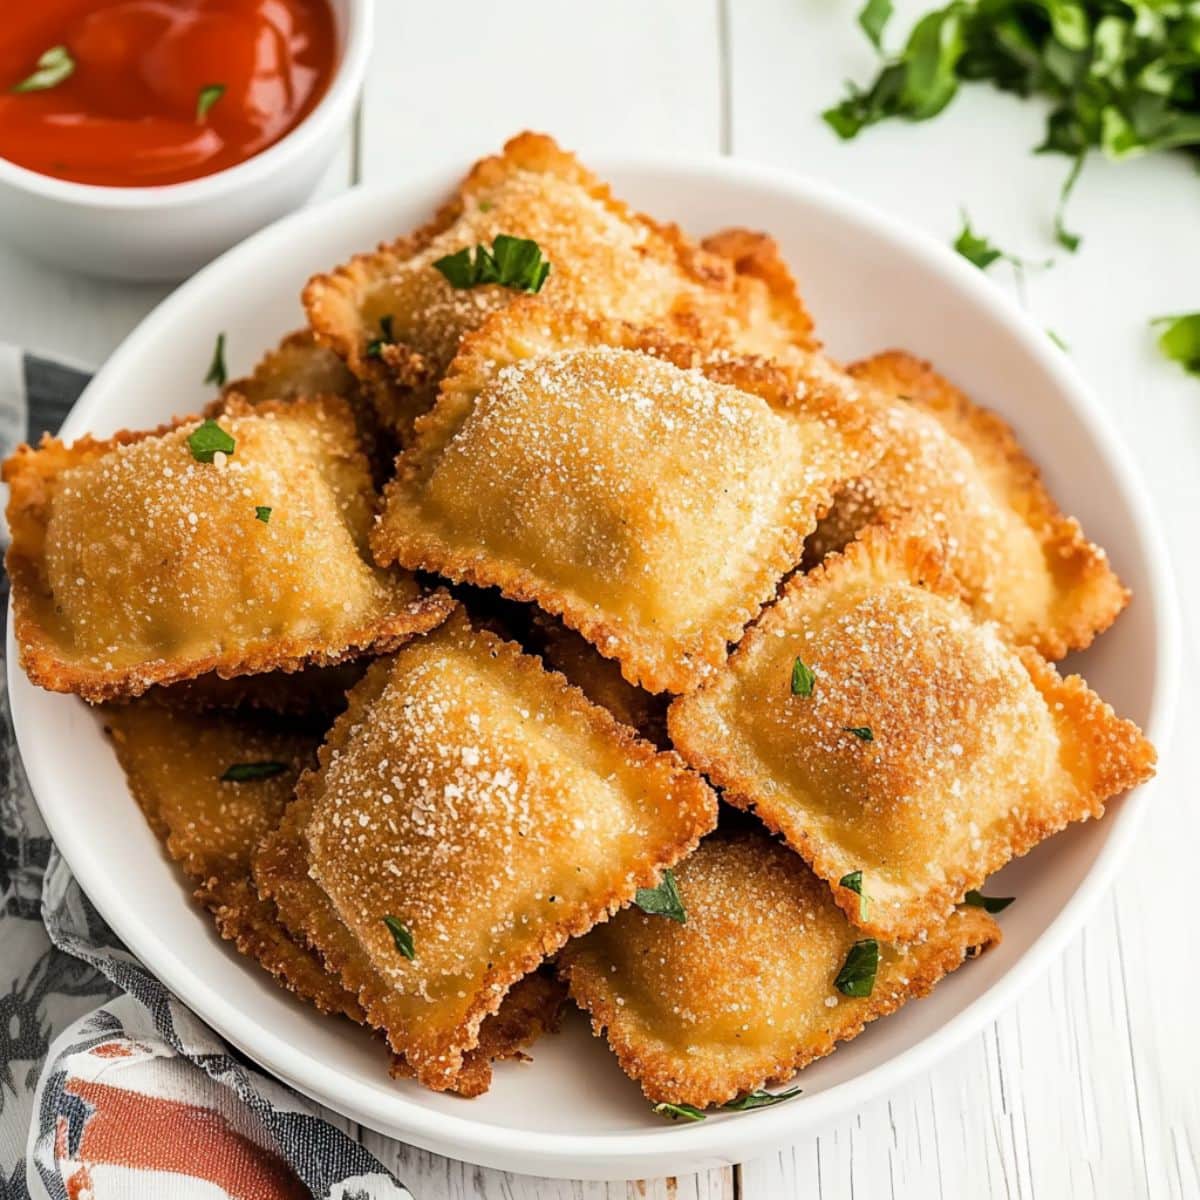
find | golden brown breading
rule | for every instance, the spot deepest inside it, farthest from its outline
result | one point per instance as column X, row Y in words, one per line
column 301, row 367
column 742, row 994
column 174, row 762
column 298, row 366
column 599, row 678
column 588, row 466
column 605, row 258
column 488, row 807
column 929, row 753
column 1020, row 560
column 133, row 563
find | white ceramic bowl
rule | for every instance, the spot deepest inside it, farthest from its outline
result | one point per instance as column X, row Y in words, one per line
column 871, row 283
column 166, row 233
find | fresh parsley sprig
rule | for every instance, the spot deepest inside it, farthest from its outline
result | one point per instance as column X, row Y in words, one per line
column 662, row 901
column 1179, row 339
column 857, row 976
column 1120, row 74
column 512, row 262
column 208, row 439
column 989, row 904
column 401, row 936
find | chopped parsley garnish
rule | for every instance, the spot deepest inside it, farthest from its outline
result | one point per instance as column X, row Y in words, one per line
column 512, row 262
column 862, row 732
column 401, row 936
column 375, row 347
column 262, row 513
column 1179, row 340
column 243, row 772
column 54, row 66
column 980, row 252
column 857, row 976
column 803, row 679
column 207, row 97
column 216, row 369
column 1120, row 75
column 677, row 1112
column 992, row 904
column 1058, row 340
column 854, row 883
column 662, row 901
column 760, row 1099
column 208, row 439
column 873, row 18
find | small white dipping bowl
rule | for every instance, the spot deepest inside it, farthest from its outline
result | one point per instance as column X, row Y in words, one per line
column 165, row 233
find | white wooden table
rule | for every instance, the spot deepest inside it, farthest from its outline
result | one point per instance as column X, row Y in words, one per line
column 1090, row 1086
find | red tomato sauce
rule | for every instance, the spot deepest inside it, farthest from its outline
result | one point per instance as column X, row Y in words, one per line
column 128, row 114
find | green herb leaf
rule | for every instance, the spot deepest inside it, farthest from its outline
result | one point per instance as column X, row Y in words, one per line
column 262, row 513
column 1119, row 75
column 975, row 248
column 857, row 976
column 678, row 1112
column 1063, row 236
column 992, row 904
column 244, row 772
column 54, row 66
column 512, row 262
column 1058, row 340
column 1180, row 339
column 803, row 679
column 401, row 936
column 216, row 369
column 862, row 732
column 375, row 348
column 873, row 20
column 662, row 901
column 854, row 883
column 760, row 1099
column 208, row 439
column 207, row 97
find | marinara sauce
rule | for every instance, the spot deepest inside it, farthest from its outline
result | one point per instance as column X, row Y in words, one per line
column 135, row 93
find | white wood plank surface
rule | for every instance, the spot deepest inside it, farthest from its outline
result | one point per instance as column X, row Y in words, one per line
column 1087, row 1087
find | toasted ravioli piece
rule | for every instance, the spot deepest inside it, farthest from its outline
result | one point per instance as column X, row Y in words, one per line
column 599, row 678
column 1020, row 560
column 133, row 563
column 397, row 321
column 301, row 367
column 488, row 811
column 929, row 753
column 652, row 504
column 742, row 994
column 298, row 366
column 174, row 762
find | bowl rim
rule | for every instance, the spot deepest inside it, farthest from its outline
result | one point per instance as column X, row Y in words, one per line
column 348, row 76
column 577, row 1155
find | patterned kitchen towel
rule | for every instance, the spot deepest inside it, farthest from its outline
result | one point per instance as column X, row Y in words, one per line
column 110, row 1089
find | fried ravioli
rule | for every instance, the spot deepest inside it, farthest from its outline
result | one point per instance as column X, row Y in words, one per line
column 743, row 994
column 1020, row 560
column 471, row 812
column 175, row 763
column 651, row 503
column 924, row 750
column 397, row 321
column 133, row 562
